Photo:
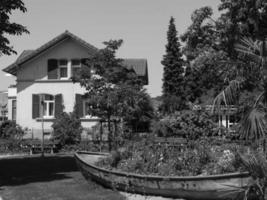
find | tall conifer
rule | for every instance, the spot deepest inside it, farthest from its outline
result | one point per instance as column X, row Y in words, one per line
column 173, row 70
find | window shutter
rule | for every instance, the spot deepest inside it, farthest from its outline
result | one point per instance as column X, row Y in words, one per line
column 52, row 66
column 79, row 105
column 35, row 106
column 58, row 105
column 84, row 66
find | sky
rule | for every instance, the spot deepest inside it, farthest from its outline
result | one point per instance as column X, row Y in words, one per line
column 142, row 24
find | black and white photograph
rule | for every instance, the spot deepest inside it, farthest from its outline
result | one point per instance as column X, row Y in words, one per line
column 133, row 99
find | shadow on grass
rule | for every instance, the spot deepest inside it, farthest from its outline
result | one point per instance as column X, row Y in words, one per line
column 22, row 170
column 13, row 181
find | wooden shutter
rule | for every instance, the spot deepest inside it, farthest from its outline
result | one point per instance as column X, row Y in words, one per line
column 35, row 106
column 52, row 69
column 58, row 105
column 79, row 105
column 84, row 66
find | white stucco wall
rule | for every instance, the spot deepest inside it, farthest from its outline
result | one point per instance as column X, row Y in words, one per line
column 32, row 79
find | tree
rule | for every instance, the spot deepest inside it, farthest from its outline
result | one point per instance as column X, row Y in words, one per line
column 173, row 69
column 113, row 91
column 7, row 27
column 209, row 47
column 67, row 128
column 138, row 109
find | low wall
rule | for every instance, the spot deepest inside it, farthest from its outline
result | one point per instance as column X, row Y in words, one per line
column 23, row 166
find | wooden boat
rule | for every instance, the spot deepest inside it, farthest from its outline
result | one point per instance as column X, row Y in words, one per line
column 214, row 187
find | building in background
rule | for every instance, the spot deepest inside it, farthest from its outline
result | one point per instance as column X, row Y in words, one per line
column 3, row 106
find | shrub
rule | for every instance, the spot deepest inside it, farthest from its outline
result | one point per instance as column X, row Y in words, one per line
column 188, row 124
column 67, row 129
column 9, row 129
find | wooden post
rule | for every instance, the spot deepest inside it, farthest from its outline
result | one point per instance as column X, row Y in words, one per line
column 115, row 134
column 101, row 133
column 42, row 128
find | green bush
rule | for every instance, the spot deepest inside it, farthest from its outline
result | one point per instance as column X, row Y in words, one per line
column 9, row 129
column 188, row 124
column 67, row 129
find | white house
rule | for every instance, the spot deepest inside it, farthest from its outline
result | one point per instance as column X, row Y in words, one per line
column 44, row 73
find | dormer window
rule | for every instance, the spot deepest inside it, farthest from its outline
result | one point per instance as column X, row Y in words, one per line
column 63, row 68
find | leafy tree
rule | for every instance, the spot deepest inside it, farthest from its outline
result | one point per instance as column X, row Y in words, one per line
column 201, row 34
column 173, row 69
column 114, row 91
column 67, row 128
column 138, row 110
column 247, row 18
column 7, row 27
column 203, row 51
column 209, row 47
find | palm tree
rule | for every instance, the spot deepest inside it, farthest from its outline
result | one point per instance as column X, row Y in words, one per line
column 254, row 122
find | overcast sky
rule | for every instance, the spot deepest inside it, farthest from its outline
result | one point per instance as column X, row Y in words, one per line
column 142, row 24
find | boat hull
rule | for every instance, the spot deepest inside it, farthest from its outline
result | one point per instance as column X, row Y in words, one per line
column 217, row 187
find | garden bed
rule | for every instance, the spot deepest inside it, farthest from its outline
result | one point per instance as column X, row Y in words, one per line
column 197, row 158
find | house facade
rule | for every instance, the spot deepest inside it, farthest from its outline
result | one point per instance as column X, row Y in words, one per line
column 44, row 87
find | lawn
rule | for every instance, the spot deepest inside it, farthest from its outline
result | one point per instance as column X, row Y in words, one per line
column 53, row 177
column 60, row 186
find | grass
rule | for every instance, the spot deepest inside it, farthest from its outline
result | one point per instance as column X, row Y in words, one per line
column 52, row 177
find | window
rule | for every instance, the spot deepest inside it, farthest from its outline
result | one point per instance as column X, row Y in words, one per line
column 63, row 68
column 48, row 103
column 14, row 109
column 75, row 66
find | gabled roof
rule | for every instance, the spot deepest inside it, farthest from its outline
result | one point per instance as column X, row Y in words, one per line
column 29, row 54
column 139, row 65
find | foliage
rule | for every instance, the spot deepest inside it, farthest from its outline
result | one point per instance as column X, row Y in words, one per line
column 7, row 27
column 114, row 91
column 9, row 129
column 11, row 145
column 246, row 17
column 138, row 109
column 170, row 104
column 256, row 164
column 67, row 129
column 201, row 34
column 188, row 124
column 200, row 158
column 173, row 69
column 253, row 123
column 209, row 47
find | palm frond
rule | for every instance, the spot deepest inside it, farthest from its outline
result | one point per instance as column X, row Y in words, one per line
column 253, row 49
column 253, row 125
column 256, row 164
column 228, row 96
column 260, row 98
